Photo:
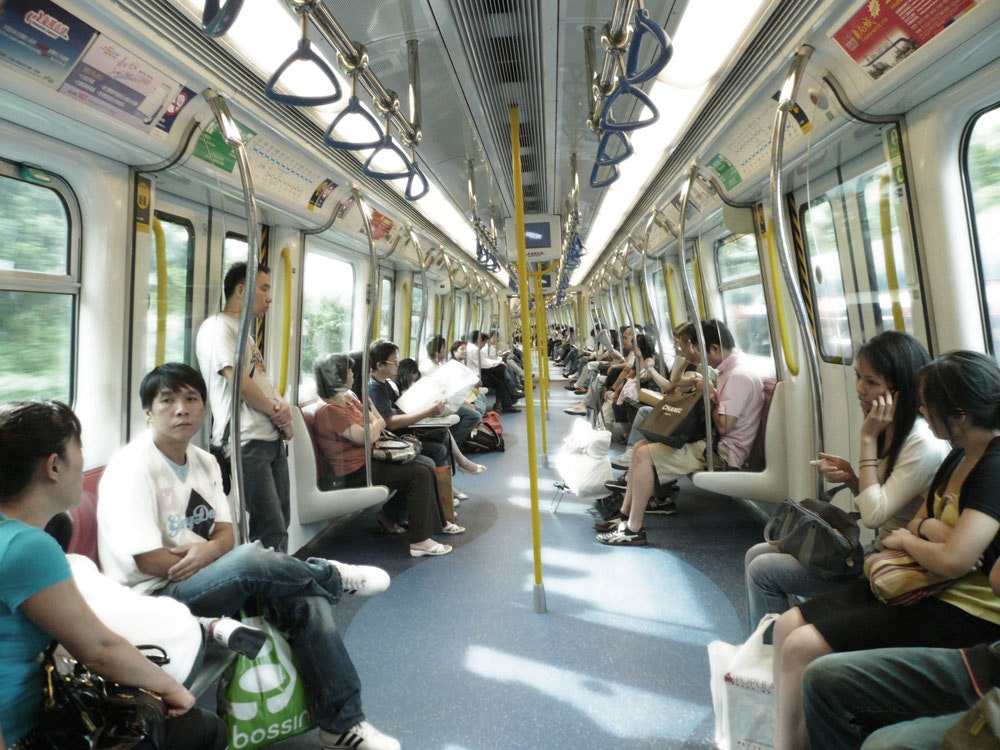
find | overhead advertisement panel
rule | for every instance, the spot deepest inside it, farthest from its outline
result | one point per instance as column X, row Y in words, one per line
column 883, row 33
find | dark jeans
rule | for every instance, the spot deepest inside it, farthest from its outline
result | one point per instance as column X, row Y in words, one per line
column 468, row 420
column 298, row 597
column 266, row 484
column 195, row 730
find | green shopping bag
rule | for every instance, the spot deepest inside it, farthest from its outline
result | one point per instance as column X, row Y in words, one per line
column 263, row 699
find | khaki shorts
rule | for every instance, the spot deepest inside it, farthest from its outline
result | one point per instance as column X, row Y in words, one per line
column 671, row 463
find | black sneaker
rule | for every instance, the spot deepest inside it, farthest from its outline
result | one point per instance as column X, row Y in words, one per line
column 610, row 524
column 617, row 485
column 606, row 507
column 623, row 536
column 661, row 506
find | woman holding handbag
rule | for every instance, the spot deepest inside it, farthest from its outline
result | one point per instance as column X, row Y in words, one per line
column 339, row 426
column 956, row 534
column 41, row 475
column 899, row 455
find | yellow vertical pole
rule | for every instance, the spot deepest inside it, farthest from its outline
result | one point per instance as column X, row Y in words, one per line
column 522, row 290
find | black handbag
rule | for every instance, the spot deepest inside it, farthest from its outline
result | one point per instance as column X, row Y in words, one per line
column 821, row 536
column 82, row 711
column 678, row 419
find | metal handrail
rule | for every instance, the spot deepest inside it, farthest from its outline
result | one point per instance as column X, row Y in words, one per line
column 692, row 306
column 780, row 221
column 647, row 288
column 375, row 302
column 231, row 132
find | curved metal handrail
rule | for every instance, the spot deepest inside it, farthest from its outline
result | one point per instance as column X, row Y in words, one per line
column 421, row 329
column 231, row 132
column 781, row 228
column 692, row 306
column 161, row 292
column 647, row 287
column 375, row 304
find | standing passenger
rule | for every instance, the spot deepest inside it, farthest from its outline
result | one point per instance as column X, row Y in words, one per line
column 265, row 421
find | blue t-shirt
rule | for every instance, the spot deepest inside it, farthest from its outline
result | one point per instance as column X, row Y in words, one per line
column 30, row 561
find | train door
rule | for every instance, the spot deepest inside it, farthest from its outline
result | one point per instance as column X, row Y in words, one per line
column 177, row 283
column 863, row 272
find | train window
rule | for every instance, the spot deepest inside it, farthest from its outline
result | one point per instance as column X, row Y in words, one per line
column 176, row 294
column 39, row 286
column 327, row 311
column 983, row 167
column 887, row 251
column 830, row 297
column 743, row 305
column 459, row 323
column 385, row 310
column 234, row 250
column 416, row 308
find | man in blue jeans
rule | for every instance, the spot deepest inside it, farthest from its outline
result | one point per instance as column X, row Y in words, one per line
column 164, row 528
column 894, row 697
column 265, row 419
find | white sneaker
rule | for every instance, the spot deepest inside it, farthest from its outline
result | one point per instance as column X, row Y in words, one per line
column 362, row 736
column 364, row 580
column 234, row 635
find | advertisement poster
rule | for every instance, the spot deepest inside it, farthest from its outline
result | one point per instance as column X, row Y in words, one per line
column 883, row 33
column 40, row 39
column 113, row 80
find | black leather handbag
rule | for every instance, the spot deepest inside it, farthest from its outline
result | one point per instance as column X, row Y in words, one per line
column 82, row 711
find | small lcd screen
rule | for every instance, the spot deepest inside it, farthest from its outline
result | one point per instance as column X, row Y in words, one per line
column 537, row 234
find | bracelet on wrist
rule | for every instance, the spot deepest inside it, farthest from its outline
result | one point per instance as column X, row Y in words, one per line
column 920, row 527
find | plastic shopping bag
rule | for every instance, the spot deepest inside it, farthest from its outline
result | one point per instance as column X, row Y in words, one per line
column 582, row 461
column 743, row 691
column 263, row 699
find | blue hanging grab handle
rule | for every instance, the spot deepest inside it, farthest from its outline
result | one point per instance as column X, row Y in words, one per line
column 624, row 88
column 603, row 159
column 387, row 144
column 216, row 19
column 596, row 182
column 417, row 185
column 354, row 108
column 645, row 25
column 304, row 53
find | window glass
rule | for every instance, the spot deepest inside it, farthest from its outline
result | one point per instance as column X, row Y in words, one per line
column 37, row 344
column 38, row 313
column 34, row 228
column 416, row 308
column 175, row 296
column 743, row 304
column 385, row 311
column 234, row 250
column 828, row 282
column 983, row 165
column 327, row 312
column 886, row 251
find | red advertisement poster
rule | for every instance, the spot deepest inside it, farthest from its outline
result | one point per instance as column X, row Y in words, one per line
column 883, row 33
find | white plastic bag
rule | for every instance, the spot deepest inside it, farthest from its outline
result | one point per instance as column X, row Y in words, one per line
column 743, row 691
column 583, row 462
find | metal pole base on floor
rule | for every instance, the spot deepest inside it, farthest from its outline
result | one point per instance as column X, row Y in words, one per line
column 540, row 607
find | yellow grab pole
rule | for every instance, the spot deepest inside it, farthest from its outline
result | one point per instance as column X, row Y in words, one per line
column 161, row 292
column 286, row 324
column 891, row 277
column 529, row 383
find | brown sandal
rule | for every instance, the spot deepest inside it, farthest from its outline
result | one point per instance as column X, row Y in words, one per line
column 385, row 526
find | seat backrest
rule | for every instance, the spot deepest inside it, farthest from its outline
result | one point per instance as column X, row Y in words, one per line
column 84, row 515
column 325, row 477
column 756, row 460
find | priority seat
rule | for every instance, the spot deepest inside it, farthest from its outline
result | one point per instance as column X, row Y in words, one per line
column 312, row 505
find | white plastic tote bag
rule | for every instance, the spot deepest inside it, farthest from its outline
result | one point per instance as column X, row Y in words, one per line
column 743, row 691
